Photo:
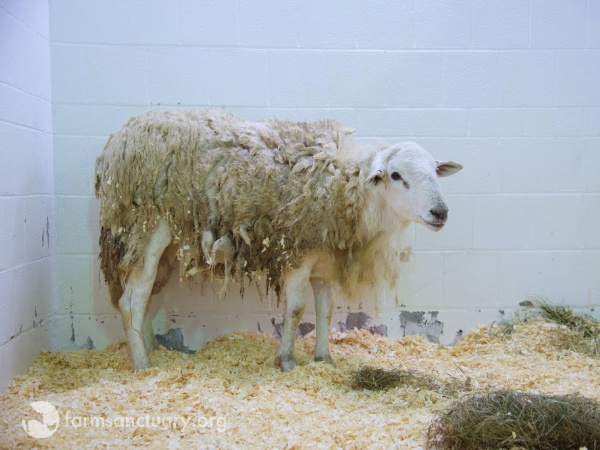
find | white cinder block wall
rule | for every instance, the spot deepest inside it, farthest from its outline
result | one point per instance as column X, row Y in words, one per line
column 510, row 88
column 27, row 231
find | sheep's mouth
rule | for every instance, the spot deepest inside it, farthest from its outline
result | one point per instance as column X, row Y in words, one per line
column 435, row 226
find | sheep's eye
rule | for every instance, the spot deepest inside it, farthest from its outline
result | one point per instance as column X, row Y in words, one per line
column 397, row 177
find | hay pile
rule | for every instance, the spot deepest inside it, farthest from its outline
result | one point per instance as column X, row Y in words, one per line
column 583, row 334
column 508, row 419
column 375, row 378
column 233, row 381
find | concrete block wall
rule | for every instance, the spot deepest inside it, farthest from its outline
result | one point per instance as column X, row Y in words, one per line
column 507, row 87
column 27, row 227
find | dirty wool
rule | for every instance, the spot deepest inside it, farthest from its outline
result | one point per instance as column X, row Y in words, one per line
column 230, row 395
column 234, row 193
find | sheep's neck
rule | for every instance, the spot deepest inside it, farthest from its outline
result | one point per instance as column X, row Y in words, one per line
column 376, row 219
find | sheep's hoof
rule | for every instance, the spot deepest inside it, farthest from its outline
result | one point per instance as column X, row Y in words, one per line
column 142, row 365
column 326, row 359
column 286, row 363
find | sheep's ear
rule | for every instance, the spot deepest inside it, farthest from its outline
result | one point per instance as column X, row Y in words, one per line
column 447, row 168
column 378, row 167
column 375, row 176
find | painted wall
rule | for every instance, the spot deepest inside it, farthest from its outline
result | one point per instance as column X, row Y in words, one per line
column 27, row 230
column 509, row 88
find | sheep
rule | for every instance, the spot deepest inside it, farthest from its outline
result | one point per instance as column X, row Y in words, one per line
column 298, row 203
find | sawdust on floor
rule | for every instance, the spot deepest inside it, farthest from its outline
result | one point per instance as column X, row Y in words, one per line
column 230, row 394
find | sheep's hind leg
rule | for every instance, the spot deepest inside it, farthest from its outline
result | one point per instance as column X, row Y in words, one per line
column 134, row 302
column 163, row 273
column 324, row 308
column 148, row 334
column 295, row 301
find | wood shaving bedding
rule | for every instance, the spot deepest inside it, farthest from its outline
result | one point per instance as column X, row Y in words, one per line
column 233, row 396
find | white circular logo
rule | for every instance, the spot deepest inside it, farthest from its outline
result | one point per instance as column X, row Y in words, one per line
column 49, row 424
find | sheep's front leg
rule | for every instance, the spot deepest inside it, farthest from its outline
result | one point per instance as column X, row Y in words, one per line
column 295, row 301
column 134, row 302
column 324, row 308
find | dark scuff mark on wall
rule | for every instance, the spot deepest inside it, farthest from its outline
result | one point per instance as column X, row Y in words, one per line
column 458, row 337
column 355, row 320
column 277, row 328
column 47, row 232
column 35, row 315
column 358, row 320
column 16, row 334
column 173, row 340
column 381, row 329
column 89, row 344
column 362, row 321
column 72, row 321
column 415, row 322
column 304, row 328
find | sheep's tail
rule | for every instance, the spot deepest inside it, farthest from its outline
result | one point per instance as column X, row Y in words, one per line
column 112, row 250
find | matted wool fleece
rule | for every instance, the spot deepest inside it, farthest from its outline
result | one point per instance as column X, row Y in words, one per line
column 239, row 187
column 234, row 378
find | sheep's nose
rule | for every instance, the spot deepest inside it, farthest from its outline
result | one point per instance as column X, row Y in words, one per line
column 441, row 214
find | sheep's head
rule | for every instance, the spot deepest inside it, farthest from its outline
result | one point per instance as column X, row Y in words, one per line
column 406, row 178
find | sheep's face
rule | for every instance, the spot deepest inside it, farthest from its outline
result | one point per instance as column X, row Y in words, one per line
column 406, row 178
